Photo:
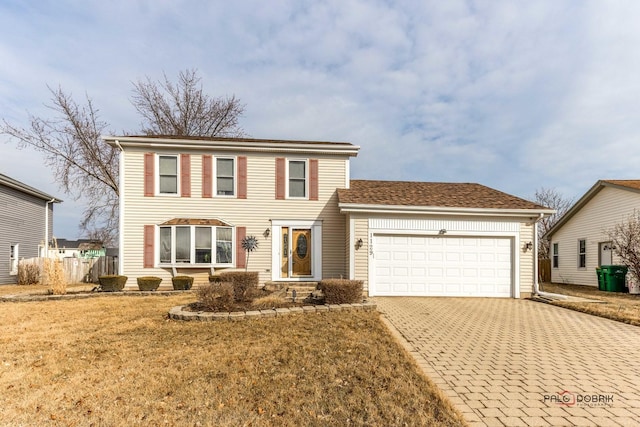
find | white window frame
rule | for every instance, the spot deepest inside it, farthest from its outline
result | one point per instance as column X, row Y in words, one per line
column 582, row 254
column 306, row 179
column 14, row 256
column 192, row 249
column 555, row 255
column 157, row 175
column 235, row 176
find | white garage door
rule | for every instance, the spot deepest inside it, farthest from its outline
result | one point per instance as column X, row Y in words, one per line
column 442, row 266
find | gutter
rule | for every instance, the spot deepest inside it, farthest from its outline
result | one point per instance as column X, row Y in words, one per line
column 536, row 285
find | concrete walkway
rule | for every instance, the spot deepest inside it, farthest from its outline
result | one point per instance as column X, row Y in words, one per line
column 506, row 362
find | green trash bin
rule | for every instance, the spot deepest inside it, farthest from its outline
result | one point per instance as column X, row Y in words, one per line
column 613, row 278
column 600, row 280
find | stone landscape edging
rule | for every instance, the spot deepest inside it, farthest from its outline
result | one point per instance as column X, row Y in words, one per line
column 84, row 294
column 179, row 313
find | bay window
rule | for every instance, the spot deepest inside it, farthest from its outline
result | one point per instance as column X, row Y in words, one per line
column 195, row 245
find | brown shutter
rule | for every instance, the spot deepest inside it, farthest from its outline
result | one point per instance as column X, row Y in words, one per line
column 207, row 176
column 149, row 232
column 149, row 174
column 242, row 177
column 185, row 175
column 280, row 178
column 241, row 254
column 313, row 179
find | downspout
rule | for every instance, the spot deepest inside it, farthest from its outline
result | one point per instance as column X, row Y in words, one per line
column 536, row 285
column 121, row 204
column 46, row 227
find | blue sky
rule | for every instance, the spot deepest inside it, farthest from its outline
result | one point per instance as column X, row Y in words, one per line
column 515, row 95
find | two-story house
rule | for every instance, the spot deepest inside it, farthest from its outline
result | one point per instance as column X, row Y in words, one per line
column 26, row 225
column 186, row 204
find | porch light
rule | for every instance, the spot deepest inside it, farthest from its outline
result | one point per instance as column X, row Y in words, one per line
column 527, row 246
column 442, row 231
column 359, row 243
column 266, row 233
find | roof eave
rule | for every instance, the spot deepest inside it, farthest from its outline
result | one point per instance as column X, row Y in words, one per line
column 440, row 210
column 595, row 189
column 256, row 145
column 16, row 185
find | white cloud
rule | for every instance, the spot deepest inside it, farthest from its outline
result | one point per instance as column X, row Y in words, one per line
column 515, row 95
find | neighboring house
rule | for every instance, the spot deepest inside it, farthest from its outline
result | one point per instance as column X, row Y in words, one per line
column 81, row 248
column 186, row 203
column 26, row 226
column 579, row 241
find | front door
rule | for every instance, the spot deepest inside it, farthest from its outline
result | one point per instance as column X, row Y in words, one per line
column 301, row 252
column 296, row 252
column 606, row 252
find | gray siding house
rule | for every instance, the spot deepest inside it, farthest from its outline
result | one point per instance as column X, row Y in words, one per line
column 26, row 225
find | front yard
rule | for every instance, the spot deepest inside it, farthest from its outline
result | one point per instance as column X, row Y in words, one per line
column 118, row 361
column 612, row 305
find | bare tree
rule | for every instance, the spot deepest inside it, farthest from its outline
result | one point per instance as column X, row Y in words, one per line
column 87, row 168
column 184, row 109
column 549, row 198
column 626, row 243
column 84, row 166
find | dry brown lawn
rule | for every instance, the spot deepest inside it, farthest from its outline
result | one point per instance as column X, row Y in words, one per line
column 118, row 361
column 616, row 306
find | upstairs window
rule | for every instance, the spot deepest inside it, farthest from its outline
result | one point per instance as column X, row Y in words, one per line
column 297, row 178
column 555, row 255
column 225, row 181
column 582, row 253
column 168, row 174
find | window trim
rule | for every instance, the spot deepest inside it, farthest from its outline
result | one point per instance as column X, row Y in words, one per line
column 192, row 248
column 234, row 177
column 555, row 255
column 157, row 175
column 306, row 179
column 582, row 256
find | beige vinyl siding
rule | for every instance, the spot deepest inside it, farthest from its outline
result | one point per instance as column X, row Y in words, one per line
column 347, row 245
column 361, row 256
column 254, row 212
column 526, row 260
column 610, row 206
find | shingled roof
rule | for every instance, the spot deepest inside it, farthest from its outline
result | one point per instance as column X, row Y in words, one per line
column 430, row 194
column 629, row 183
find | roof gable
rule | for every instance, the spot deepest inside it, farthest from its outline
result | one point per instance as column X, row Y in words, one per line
column 632, row 185
column 431, row 194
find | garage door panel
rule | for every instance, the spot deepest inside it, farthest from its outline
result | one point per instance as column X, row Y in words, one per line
column 442, row 266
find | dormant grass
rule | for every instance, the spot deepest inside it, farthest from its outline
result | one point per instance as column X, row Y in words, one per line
column 118, row 361
column 616, row 306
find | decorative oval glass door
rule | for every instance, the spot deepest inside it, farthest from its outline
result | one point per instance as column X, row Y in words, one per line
column 301, row 256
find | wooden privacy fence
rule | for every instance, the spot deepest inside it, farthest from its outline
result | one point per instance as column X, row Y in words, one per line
column 77, row 270
column 544, row 270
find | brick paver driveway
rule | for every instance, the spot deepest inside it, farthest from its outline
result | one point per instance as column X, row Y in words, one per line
column 520, row 363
